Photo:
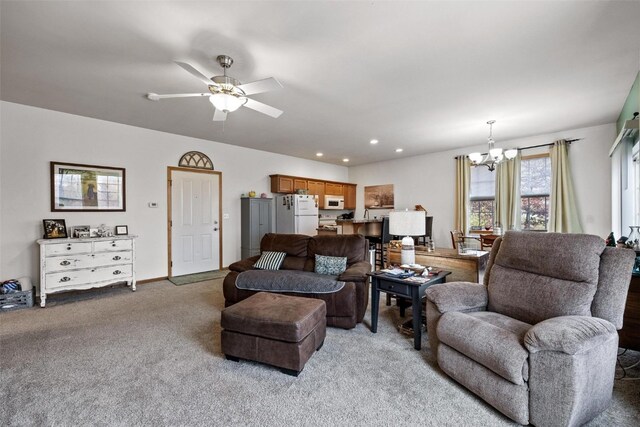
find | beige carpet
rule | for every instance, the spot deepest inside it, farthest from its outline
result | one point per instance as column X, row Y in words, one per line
column 152, row 357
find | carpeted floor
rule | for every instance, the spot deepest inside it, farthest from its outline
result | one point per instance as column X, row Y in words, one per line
column 153, row 358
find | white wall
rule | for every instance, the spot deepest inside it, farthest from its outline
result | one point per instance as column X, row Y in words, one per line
column 429, row 179
column 32, row 137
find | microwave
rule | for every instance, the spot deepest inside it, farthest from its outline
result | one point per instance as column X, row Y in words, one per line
column 333, row 202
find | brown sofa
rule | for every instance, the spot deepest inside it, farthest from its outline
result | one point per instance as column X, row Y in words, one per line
column 346, row 307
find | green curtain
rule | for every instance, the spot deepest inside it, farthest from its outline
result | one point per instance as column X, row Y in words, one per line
column 508, row 193
column 563, row 216
column 463, row 184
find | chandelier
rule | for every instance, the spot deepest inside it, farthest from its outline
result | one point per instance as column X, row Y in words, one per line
column 494, row 155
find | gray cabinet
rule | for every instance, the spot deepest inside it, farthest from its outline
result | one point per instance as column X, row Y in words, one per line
column 255, row 222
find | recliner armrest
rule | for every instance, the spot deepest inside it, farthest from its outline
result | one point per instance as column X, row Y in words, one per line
column 245, row 264
column 357, row 272
column 458, row 296
column 568, row 334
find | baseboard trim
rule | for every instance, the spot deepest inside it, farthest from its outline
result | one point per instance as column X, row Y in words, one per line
column 155, row 279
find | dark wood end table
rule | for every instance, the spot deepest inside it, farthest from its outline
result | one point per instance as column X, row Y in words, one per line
column 381, row 282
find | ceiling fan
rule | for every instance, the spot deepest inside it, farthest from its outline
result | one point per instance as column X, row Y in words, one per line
column 226, row 93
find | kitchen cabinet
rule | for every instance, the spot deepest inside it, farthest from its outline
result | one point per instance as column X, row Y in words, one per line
column 333, row 189
column 299, row 184
column 288, row 184
column 349, row 196
column 317, row 188
column 255, row 222
column 282, row 184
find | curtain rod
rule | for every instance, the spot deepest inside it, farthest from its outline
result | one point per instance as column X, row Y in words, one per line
column 535, row 146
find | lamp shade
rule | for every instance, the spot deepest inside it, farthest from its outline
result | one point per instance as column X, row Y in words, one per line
column 407, row 223
column 227, row 103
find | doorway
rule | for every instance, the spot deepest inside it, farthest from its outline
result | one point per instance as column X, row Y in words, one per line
column 194, row 207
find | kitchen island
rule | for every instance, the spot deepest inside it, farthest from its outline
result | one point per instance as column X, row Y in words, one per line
column 366, row 227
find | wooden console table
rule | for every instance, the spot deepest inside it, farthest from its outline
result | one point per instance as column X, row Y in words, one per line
column 630, row 332
column 463, row 268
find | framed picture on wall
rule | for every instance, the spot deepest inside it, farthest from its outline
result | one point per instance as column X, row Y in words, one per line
column 378, row 197
column 87, row 188
column 54, row 228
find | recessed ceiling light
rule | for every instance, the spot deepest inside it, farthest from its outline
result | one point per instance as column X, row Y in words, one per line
column 399, row 150
column 345, row 160
column 373, row 141
column 319, row 154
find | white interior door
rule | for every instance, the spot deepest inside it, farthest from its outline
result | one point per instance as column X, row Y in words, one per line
column 195, row 226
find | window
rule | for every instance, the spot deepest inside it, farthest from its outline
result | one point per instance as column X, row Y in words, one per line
column 481, row 198
column 535, row 187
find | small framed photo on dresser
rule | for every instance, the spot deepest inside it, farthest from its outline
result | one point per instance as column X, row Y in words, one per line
column 54, row 228
column 121, row 230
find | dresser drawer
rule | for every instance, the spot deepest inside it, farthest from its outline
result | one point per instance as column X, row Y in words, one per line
column 112, row 245
column 65, row 263
column 89, row 275
column 67, row 248
column 397, row 288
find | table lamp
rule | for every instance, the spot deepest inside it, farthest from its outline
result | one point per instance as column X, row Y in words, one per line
column 407, row 223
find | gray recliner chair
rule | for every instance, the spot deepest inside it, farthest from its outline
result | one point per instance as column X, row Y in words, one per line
column 538, row 339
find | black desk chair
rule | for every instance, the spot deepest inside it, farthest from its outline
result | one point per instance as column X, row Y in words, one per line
column 422, row 240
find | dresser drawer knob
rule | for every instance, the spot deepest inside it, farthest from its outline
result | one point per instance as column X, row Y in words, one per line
column 69, row 247
column 65, row 263
column 117, row 258
column 113, row 244
column 117, row 272
column 65, row 279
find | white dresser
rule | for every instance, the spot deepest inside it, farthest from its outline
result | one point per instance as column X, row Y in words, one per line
column 68, row 264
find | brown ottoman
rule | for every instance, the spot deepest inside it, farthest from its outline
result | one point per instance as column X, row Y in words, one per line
column 279, row 330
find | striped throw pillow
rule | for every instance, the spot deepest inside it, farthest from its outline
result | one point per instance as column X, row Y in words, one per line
column 270, row 260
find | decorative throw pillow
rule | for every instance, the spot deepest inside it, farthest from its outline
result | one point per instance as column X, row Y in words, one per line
column 332, row 265
column 270, row 260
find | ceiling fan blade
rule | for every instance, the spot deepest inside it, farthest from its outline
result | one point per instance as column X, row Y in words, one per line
column 197, row 74
column 156, row 97
column 263, row 108
column 219, row 116
column 260, row 86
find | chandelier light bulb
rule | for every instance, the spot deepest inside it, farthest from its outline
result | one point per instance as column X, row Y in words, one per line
column 495, row 153
column 511, row 153
column 475, row 157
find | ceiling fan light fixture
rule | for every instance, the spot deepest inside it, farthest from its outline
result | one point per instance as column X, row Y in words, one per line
column 227, row 103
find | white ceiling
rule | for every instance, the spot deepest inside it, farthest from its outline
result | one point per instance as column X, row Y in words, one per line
column 424, row 76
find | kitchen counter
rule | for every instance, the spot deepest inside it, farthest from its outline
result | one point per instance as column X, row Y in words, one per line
column 366, row 227
column 327, row 231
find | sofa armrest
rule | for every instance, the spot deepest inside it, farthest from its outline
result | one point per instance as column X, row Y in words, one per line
column 357, row 272
column 458, row 296
column 245, row 264
column 568, row 334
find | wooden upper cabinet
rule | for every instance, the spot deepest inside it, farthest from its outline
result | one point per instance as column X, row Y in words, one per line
column 282, row 184
column 299, row 184
column 333, row 189
column 349, row 196
column 289, row 184
column 317, row 188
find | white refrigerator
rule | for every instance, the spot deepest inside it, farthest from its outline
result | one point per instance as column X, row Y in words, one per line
column 297, row 214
